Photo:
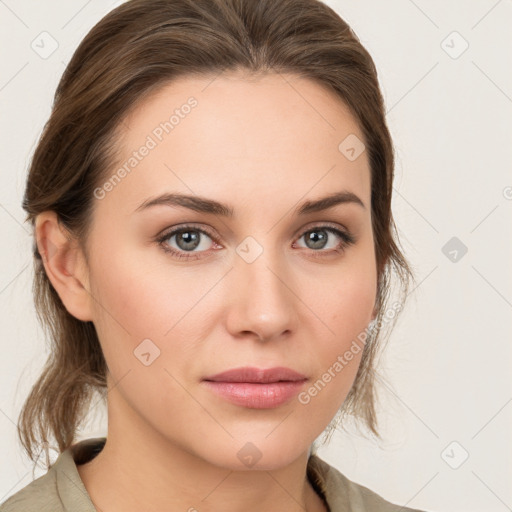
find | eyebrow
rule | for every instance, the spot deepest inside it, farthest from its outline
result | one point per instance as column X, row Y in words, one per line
column 210, row 206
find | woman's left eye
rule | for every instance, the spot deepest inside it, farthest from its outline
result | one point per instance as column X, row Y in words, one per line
column 318, row 237
column 188, row 238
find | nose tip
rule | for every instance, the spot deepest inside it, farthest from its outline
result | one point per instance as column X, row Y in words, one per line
column 261, row 301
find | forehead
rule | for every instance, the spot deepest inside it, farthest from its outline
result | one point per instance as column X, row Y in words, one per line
column 237, row 136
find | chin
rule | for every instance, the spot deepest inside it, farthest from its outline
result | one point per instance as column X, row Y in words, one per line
column 253, row 452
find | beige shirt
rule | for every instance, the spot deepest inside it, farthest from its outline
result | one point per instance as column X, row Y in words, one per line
column 61, row 489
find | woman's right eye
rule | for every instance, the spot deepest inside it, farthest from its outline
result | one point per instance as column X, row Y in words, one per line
column 187, row 239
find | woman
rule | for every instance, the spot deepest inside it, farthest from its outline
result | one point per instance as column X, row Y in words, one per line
column 211, row 204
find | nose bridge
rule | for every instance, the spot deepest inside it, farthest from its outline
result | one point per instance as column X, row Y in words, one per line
column 262, row 277
column 263, row 302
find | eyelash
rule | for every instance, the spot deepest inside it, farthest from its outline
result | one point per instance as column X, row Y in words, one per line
column 347, row 240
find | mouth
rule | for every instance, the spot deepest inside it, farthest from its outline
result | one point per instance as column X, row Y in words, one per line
column 257, row 375
column 256, row 388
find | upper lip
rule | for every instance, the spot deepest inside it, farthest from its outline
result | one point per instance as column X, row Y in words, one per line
column 250, row 374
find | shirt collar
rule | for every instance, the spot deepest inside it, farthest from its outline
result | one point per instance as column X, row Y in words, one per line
column 71, row 490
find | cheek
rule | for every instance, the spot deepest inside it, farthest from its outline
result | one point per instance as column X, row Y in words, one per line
column 347, row 303
column 347, row 308
column 137, row 295
column 139, row 301
column 146, row 326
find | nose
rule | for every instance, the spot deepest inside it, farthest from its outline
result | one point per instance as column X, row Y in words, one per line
column 261, row 302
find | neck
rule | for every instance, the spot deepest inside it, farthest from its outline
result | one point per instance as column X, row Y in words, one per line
column 137, row 471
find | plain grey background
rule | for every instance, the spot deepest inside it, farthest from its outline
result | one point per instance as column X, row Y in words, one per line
column 446, row 401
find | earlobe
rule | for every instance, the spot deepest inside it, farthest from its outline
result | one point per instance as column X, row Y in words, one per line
column 64, row 265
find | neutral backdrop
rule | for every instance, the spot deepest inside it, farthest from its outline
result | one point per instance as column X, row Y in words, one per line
column 446, row 395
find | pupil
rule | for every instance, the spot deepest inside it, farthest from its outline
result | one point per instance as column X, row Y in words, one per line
column 318, row 240
column 189, row 238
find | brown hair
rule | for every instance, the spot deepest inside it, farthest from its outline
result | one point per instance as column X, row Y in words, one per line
column 138, row 47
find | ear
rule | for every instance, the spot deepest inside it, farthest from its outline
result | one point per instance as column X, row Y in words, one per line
column 64, row 264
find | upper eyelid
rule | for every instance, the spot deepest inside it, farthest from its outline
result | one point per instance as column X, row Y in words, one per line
column 322, row 224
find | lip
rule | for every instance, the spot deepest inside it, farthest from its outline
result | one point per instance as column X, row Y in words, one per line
column 259, row 375
column 256, row 388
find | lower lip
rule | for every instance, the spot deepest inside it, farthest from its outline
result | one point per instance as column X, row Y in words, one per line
column 254, row 395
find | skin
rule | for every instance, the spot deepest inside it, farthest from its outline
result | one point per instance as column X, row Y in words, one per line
column 263, row 146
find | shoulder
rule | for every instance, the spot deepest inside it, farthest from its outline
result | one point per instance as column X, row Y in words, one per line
column 344, row 494
column 60, row 489
column 40, row 495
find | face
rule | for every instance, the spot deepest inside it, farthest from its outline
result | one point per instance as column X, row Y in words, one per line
column 184, row 293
